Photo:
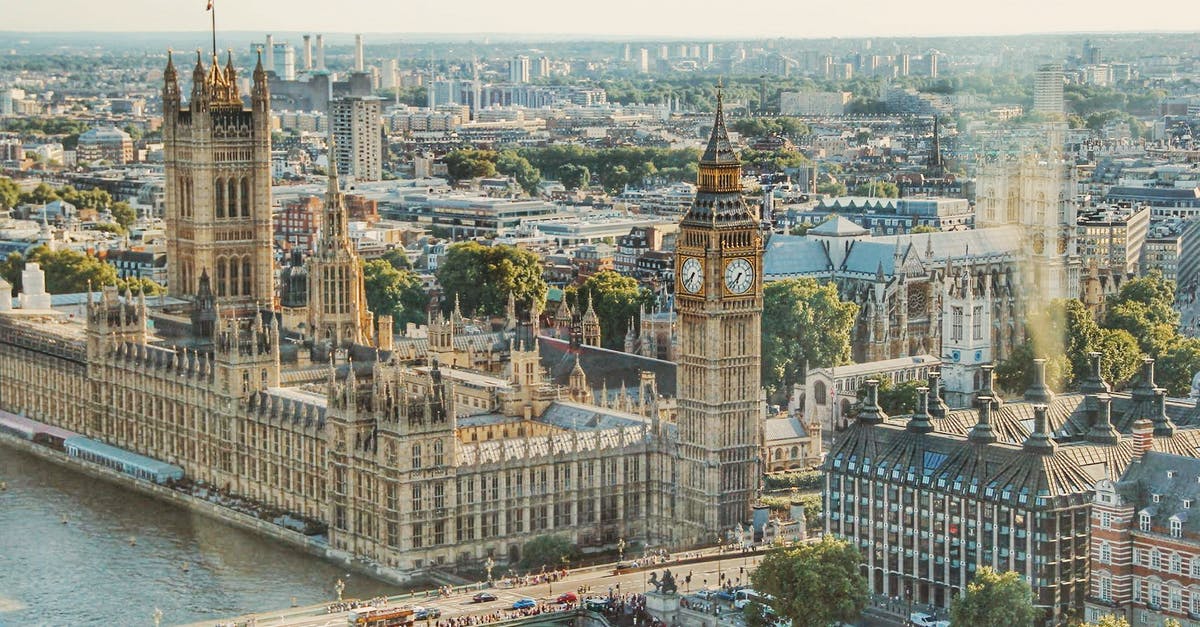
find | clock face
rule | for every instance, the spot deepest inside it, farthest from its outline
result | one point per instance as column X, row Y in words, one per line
column 692, row 275
column 739, row 276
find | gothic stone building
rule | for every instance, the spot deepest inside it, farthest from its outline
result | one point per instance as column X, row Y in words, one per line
column 414, row 453
column 929, row 498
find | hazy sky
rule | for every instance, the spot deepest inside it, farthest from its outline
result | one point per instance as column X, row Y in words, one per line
column 651, row 18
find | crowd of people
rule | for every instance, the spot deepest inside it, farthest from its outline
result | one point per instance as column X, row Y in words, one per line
column 502, row 615
column 512, row 580
column 346, row 606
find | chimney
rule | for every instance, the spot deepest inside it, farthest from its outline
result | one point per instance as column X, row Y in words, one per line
column 320, row 52
column 1102, row 431
column 1094, row 383
column 919, row 422
column 1143, row 437
column 871, row 413
column 1162, row 422
column 982, row 432
column 937, row 407
column 358, row 53
column 989, row 385
column 308, row 53
column 1040, row 442
column 1039, row 392
column 269, row 60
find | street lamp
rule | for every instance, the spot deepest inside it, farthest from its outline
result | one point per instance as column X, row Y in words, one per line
column 339, row 587
column 720, row 577
column 158, row 616
column 489, row 565
column 621, row 549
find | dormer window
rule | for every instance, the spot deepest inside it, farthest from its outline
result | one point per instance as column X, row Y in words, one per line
column 1170, row 474
column 1187, row 503
column 1144, row 522
column 1156, row 497
column 1176, row 527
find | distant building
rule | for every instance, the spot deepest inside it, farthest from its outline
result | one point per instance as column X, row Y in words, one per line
column 104, row 144
column 1048, row 89
column 1164, row 244
column 296, row 224
column 357, row 127
column 1111, row 238
column 890, row 216
column 518, row 69
column 828, row 395
column 822, row 103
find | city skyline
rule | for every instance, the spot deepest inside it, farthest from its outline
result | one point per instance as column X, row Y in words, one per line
column 623, row 19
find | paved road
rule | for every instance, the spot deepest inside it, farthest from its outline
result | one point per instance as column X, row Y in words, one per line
column 732, row 565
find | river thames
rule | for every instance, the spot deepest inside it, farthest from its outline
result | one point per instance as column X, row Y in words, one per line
column 89, row 571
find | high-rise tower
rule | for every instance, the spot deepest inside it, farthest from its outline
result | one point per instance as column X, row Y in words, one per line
column 337, row 298
column 218, row 185
column 719, row 300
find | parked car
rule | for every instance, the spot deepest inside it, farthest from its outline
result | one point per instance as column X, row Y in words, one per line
column 727, row 594
column 705, row 594
column 426, row 613
column 521, row 604
column 567, row 597
column 483, row 597
column 922, row 619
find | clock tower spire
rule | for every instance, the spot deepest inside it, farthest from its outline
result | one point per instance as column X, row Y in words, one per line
column 718, row 286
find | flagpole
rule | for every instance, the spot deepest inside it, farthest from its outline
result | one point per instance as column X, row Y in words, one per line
column 213, row 9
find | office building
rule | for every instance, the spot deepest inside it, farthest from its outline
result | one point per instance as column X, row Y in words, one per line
column 518, row 69
column 824, row 103
column 1048, row 89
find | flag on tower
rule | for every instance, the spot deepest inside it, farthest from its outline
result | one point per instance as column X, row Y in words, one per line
column 209, row 7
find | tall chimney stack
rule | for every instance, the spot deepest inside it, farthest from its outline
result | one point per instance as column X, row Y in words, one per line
column 358, row 53
column 320, row 52
column 308, row 53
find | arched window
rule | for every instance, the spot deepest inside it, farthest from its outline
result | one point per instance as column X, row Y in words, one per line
column 221, row 276
column 232, row 197
column 246, row 276
column 819, row 392
column 1105, row 553
column 245, row 197
column 233, row 276
column 778, row 454
column 416, row 456
column 795, row 452
column 219, row 188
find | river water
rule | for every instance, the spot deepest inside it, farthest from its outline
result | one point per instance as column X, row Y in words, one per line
column 88, row 572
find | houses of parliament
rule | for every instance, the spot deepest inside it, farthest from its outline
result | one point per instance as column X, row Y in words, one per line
column 414, row 452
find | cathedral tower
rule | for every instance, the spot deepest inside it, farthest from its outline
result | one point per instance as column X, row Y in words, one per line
column 719, row 300
column 337, row 298
column 217, row 155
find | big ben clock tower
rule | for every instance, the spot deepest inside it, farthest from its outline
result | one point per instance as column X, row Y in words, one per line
column 719, row 301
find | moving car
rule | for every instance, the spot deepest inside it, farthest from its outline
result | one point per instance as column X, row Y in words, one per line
column 426, row 613
column 596, row 604
column 483, row 597
column 521, row 604
column 567, row 597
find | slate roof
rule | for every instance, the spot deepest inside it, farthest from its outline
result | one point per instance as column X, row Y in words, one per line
column 579, row 417
column 1150, row 477
column 783, row 428
column 838, row 226
column 603, row 367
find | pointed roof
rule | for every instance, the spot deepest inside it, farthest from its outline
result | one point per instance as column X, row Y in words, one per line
column 719, row 151
column 838, row 226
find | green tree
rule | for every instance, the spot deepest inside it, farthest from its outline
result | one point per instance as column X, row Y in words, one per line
column 140, row 285
column 547, row 551
column 1145, row 307
column 10, row 194
column 814, row 585
column 40, row 195
column 67, row 272
column 617, row 300
column 1177, row 366
column 1108, row 620
column 574, row 176
column 394, row 292
column 509, row 163
column 833, row 188
column 878, row 189
column 1119, row 356
column 482, row 277
column 470, row 163
column 895, row 400
column 803, row 322
column 123, row 214
column 994, row 599
column 1015, row 373
column 923, row 228
column 801, row 229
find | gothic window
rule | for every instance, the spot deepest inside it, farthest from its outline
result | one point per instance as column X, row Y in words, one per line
column 416, row 497
column 956, row 323
column 819, row 392
column 220, row 276
column 246, row 276
column 245, row 198
column 795, row 452
column 437, row 453
column 231, row 197
column 918, row 301
column 219, row 188
column 233, row 276
column 977, row 323
column 416, row 456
